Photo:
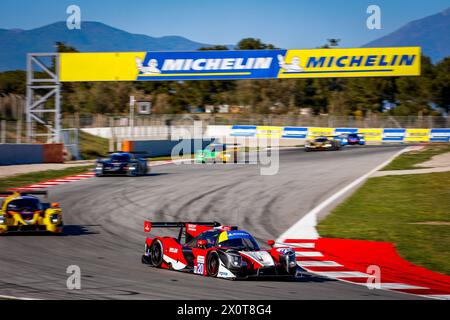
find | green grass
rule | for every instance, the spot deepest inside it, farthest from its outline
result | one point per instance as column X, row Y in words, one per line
column 26, row 179
column 409, row 160
column 392, row 209
column 92, row 147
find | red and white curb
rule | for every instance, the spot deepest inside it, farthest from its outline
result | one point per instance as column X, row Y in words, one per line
column 55, row 182
column 354, row 261
column 78, row 177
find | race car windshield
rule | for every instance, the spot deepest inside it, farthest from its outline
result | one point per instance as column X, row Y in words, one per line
column 24, row 205
column 120, row 157
column 245, row 244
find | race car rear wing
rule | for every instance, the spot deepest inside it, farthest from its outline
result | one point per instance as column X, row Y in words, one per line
column 189, row 229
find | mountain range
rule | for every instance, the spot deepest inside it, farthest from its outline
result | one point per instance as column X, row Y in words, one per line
column 431, row 33
column 92, row 37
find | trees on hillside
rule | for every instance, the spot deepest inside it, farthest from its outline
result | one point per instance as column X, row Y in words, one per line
column 428, row 94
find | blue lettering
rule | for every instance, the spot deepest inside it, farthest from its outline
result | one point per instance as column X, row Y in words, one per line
column 407, row 60
column 394, row 60
column 382, row 62
column 370, row 62
column 339, row 61
column 315, row 63
column 330, row 62
column 356, row 61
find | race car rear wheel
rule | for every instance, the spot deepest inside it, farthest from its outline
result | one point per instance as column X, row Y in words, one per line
column 156, row 254
column 212, row 264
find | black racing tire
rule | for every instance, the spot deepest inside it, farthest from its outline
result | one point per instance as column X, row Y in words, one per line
column 156, row 254
column 212, row 264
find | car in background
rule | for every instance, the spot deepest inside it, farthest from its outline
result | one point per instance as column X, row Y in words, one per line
column 121, row 163
column 356, row 139
column 323, row 143
column 212, row 249
column 218, row 152
column 342, row 138
column 23, row 211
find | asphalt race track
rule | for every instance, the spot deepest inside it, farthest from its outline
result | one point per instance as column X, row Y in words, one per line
column 105, row 238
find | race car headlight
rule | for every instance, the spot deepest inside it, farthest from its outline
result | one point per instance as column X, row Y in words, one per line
column 2, row 219
column 54, row 218
column 235, row 260
column 99, row 167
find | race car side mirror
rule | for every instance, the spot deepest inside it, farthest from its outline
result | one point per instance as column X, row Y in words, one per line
column 271, row 242
column 201, row 243
column 55, row 204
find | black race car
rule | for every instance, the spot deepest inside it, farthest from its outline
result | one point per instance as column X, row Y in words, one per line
column 121, row 163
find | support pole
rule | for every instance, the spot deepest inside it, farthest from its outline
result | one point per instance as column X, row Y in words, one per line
column 38, row 115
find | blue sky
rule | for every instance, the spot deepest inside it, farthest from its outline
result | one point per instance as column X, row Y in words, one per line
column 287, row 24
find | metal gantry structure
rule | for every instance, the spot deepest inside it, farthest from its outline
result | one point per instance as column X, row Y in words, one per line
column 41, row 89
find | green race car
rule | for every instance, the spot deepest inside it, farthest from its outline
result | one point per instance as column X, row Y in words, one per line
column 217, row 153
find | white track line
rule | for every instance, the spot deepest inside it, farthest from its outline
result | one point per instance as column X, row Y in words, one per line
column 438, row 296
column 400, row 286
column 318, row 264
column 16, row 298
column 341, row 274
column 305, row 245
column 308, row 254
column 305, row 228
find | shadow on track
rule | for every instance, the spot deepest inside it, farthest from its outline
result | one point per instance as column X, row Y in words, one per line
column 77, row 230
column 304, row 278
column 69, row 231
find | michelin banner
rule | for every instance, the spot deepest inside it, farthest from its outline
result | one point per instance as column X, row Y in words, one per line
column 240, row 64
column 370, row 134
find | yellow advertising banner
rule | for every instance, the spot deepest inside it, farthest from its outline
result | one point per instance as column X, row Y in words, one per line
column 372, row 134
column 417, row 135
column 269, row 131
column 360, row 62
column 239, row 64
column 111, row 66
column 315, row 132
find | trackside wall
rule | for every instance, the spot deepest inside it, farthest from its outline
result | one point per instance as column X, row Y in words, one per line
column 11, row 154
column 161, row 148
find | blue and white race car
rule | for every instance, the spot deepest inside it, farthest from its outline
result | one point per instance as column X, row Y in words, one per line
column 356, row 139
column 342, row 138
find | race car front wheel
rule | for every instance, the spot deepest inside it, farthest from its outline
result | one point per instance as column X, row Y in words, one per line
column 156, row 254
column 212, row 264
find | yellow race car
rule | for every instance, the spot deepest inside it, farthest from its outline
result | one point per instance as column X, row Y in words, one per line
column 23, row 211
